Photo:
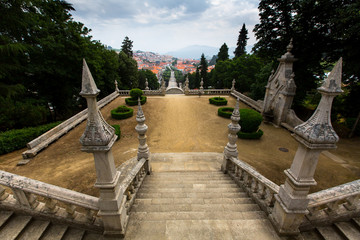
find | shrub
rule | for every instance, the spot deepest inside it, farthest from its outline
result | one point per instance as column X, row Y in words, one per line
column 253, row 135
column 134, row 102
column 225, row 112
column 250, row 120
column 18, row 138
column 122, row 112
column 218, row 101
column 117, row 131
column 135, row 93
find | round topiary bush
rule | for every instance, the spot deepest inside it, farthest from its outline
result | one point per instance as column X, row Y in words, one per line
column 117, row 131
column 122, row 112
column 135, row 93
column 134, row 102
column 253, row 135
column 218, row 101
column 250, row 120
column 225, row 112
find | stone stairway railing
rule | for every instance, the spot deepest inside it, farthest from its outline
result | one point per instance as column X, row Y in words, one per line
column 124, row 92
column 209, row 92
column 48, row 201
column 258, row 187
column 55, row 133
column 252, row 103
column 153, row 92
column 334, row 204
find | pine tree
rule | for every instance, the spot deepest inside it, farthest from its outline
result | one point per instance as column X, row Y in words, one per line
column 223, row 53
column 203, row 70
column 126, row 47
column 242, row 41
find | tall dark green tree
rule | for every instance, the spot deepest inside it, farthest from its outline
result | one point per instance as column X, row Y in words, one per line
column 203, row 70
column 151, row 77
column 126, row 46
column 128, row 72
column 223, row 53
column 242, row 41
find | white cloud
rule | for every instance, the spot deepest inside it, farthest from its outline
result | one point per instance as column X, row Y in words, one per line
column 163, row 25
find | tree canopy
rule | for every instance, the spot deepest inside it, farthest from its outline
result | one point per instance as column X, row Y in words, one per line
column 223, row 53
column 242, row 41
column 126, row 46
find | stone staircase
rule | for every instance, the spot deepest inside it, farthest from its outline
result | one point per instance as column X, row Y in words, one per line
column 195, row 205
column 21, row 226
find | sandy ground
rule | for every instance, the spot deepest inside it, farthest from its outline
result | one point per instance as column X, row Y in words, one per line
column 181, row 124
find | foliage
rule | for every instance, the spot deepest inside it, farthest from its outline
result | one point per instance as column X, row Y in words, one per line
column 151, row 77
column 250, row 120
column 213, row 60
column 242, row 41
column 128, row 71
column 253, row 135
column 122, row 112
column 218, row 101
column 134, row 102
column 18, row 138
column 257, row 88
column 203, row 71
column 223, row 53
column 135, row 93
column 117, row 131
column 225, row 112
column 126, row 46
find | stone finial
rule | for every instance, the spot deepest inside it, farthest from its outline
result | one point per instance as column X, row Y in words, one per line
column 234, row 128
column 140, row 117
column 290, row 45
column 201, row 84
column 317, row 131
column 288, row 57
column 98, row 135
column 146, row 84
column 88, row 86
column 233, row 84
column 141, row 128
column 116, row 86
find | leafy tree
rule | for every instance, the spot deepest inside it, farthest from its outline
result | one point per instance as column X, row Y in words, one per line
column 242, row 41
column 213, row 60
column 126, row 46
column 203, row 70
column 128, row 72
column 223, row 53
column 151, row 77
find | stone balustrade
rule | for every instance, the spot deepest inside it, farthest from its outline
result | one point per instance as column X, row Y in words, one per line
column 259, row 188
column 46, row 200
column 339, row 203
column 55, row 133
column 252, row 103
column 209, row 92
column 153, row 92
column 124, row 92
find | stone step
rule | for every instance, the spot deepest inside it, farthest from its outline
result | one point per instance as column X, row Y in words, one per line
column 199, row 189
column 195, row 208
column 159, row 216
column 4, row 216
column 73, row 234
column 166, row 201
column 188, row 185
column 34, row 230
column 14, row 226
column 348, row 230
column 54, row 232
column 202, row 229
column 205, row 195
column 329, row 233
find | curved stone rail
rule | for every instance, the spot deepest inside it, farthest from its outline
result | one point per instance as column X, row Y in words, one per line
column 25, row 193
column 252, row 103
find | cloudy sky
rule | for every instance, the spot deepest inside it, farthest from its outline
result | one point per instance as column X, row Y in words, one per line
column 167, row 25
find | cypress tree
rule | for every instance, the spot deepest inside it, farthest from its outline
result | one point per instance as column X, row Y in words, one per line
column 242, row 41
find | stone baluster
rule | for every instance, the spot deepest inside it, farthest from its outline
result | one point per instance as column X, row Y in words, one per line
column 3, row 194
column 146, row 84
column 25, row 199
column 116, row 86
column 98, row 139
column 314, row 136
column 141, row 128
column 231, row 147
column 233, row 85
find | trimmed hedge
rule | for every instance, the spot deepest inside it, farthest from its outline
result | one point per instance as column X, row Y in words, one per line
column 18, row 138
column 135, row 93
column 253, row 135
column 117, row 131
column 122, row 112
column 225, row 112
column 250, row 120
column 134, row 101
column 218, row 101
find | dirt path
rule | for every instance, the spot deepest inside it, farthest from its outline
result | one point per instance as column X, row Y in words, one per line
column 180, row 124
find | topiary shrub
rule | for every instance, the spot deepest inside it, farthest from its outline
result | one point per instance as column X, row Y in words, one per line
column 253, row 135
column 134, row 102
column 117, row 131
column 218, row 101
column 250, row 120
column 225, row 112
column 135, row 93
column 122, row 112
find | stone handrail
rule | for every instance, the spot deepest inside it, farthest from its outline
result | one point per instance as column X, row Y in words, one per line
column 338, row 203
column 252, row 103
column 153, row 92
column 25, row 197
column 124, row 92
column 131, row 183
column 217, row 91
column 55, row 133
column 259, row 188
